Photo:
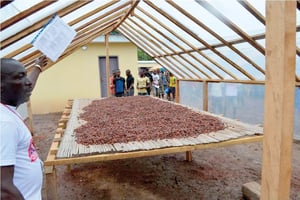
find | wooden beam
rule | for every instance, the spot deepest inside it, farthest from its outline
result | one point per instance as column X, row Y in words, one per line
column 107, row 64
column 225, row 81
column 279, row 99
column 4, row 3
column 25, row 13
column 28, row 30
column 186, row 42
column 129, row 12
column 154, row 42
column 129, row 32
column 231, row 25
column 110, row 12
column 213, row 33
column 205, row 95
column 137, row 154
column 253, row 11
column 149, row 51
column 183, row 27
column 93, row 12
column 87, row 27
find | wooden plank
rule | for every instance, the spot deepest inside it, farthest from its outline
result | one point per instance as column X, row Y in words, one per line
column 191, row 33
column 279, row 99
column 231, row 25
column 107, row 64
column 251, row 191
column 205, row 95
column 51, row 185
column 158, row 43
column 216, row 35
column 136, row 154
column 25, row 13
column 140, row 44
column 28, row 30
column 185, row 41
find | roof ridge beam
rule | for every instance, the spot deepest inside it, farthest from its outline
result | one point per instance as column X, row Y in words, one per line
column 130, row 11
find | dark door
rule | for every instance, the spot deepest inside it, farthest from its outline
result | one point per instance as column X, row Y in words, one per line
column 114, row 64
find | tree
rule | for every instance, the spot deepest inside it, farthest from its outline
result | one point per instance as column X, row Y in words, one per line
column 143, row 55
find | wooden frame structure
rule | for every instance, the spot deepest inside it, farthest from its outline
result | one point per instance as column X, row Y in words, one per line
column 53, row 159
column 139, row 20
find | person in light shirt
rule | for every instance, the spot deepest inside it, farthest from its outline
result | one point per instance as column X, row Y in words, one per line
column 21, row 168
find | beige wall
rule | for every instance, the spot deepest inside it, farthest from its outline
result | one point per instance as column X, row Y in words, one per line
column 77, row 76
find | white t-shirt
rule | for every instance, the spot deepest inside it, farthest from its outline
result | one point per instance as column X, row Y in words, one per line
column 155, row 80
column 16, row 148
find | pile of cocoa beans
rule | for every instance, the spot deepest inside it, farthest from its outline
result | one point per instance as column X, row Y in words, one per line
column 140, row 118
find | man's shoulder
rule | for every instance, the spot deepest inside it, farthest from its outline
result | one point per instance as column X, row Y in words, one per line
column 5, row 116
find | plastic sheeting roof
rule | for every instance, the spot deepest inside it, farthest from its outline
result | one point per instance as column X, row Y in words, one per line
column 194, row 39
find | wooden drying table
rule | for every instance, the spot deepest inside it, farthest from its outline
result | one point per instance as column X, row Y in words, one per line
column 236, row 133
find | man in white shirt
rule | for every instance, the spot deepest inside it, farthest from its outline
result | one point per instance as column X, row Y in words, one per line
column 21, row 168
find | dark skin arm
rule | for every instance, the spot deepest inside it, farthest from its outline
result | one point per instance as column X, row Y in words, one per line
column 8, row 190
column 35, row 72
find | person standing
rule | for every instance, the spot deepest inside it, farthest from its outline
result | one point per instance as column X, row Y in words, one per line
column 21, row 168
column 111, row 84
column 119, row 83
column 172, row 87
column 129, row 83
column 147, row 74
column 142, row 84
column 155, row 83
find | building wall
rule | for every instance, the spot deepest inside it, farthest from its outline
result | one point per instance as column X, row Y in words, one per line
column 77, row 76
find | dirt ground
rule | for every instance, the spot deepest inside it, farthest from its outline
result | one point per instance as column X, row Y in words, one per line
column 214, row 174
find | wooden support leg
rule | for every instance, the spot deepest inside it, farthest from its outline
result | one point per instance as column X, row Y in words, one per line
column 188, row 156
column 69, row 168
column 51, row 185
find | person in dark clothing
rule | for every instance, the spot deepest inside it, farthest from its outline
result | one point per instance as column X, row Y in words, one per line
column 119, row 83
column 129, row 83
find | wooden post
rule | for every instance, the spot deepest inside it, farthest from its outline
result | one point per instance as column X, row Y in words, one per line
column 177, row 92
column 107, row 64
column 51, row 185
column 188, row 154
column 279, row 99
column 30, row 117
column 205, row 96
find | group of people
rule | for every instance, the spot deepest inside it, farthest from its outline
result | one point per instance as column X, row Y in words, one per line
column 119, row 86
column 157, row 83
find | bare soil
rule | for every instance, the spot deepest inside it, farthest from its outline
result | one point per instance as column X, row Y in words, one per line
column 213, row 174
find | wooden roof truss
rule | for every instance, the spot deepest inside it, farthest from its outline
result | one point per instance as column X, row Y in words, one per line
column 195, row 58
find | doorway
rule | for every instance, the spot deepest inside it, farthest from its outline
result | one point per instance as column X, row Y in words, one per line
column 114, row 64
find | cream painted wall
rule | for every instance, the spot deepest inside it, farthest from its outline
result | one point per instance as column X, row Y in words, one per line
column 77, row 76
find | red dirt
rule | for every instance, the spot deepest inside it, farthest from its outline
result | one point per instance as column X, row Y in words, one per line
column 213, row 174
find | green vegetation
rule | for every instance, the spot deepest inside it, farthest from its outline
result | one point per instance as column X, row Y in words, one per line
column 143, row 55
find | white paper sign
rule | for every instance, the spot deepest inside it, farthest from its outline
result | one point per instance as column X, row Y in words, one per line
column 54, row 38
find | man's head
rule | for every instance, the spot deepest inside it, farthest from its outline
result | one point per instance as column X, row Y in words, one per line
column 117, row 72
column 128, row 73
column 15, row 86
column 141, row 72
